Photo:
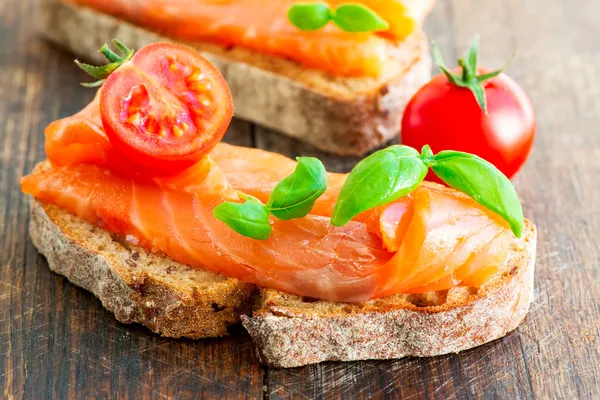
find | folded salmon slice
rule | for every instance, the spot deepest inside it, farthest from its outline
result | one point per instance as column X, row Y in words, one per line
column 446, row 233
column 434, row 239
column 262, row 26
column 306, row 256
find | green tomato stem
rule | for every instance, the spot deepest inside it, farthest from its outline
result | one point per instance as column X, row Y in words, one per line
column 115, row 61
column 469, row 79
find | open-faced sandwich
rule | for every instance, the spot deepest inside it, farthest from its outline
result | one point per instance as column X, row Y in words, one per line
column 332, row 74
column 139, row 203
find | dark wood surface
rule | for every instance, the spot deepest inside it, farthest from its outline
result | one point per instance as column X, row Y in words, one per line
column 56, row 341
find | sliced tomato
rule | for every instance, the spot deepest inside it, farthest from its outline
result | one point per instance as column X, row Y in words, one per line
column 166, row 108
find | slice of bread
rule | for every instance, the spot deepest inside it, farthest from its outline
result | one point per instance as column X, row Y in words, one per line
column 179, row 301
column 291, row 331
column 137, row 286
column 344, row 116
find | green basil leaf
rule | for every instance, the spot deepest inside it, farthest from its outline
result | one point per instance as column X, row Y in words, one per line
column 483, row 182
column 382, row 177
column 309, row 16
column 295, row 195
column 358, row 18
column 249, row 219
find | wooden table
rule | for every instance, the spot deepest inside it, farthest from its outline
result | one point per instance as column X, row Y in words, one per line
column 57, row 341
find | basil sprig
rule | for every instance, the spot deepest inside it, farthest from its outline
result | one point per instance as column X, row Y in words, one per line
column 394, row 172
column 348, row 17
column 291, row 198
column 377, row 180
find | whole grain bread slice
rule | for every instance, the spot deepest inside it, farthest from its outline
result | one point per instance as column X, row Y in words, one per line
column 341, row 115
column 291, row 331
column 171, row 299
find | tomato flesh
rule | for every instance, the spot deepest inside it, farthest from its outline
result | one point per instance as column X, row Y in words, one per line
column 166, row 108
column 447, row 117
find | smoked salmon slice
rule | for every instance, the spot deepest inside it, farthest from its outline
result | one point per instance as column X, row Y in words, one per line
column 433, row 239
column 262, row 26
column 306, row 256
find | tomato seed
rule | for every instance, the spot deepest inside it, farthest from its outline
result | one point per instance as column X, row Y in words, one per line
column 196, row 77
column 134, row 119
column 200, row 86
column 177, row 131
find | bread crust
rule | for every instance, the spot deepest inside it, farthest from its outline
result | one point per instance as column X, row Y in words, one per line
column 344, row 116
column 289, row 331
column 171, row 299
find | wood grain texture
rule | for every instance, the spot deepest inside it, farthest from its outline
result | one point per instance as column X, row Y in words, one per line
column 56, row 341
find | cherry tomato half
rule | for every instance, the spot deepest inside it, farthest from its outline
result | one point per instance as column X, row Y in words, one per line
column 448, row 117
column 166, row 108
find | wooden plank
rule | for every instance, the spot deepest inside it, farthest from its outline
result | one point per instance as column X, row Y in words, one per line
column 561, row 341
column 56, row 340
column 240, row 133
column 452, row 376
column 556, row 351
column 16, row 274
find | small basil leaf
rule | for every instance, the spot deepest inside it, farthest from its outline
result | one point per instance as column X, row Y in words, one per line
column 295, row 195
column 382, row 177
column 358, row 18
column 483, row 182
column 249, row 219
column 309, row 16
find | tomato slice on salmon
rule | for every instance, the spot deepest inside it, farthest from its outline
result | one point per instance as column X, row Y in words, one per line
column 166, row 108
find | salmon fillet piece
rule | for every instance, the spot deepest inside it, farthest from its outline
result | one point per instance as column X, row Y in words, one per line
column 262, row 26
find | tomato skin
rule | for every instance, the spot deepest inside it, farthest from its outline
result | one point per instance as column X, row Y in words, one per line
column 447, row 117
column 177, row 129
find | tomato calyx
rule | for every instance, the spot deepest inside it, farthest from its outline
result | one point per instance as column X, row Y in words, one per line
column 115, row 61
column 469, row 78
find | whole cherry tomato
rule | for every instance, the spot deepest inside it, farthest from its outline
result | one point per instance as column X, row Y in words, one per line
column 472, row 110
